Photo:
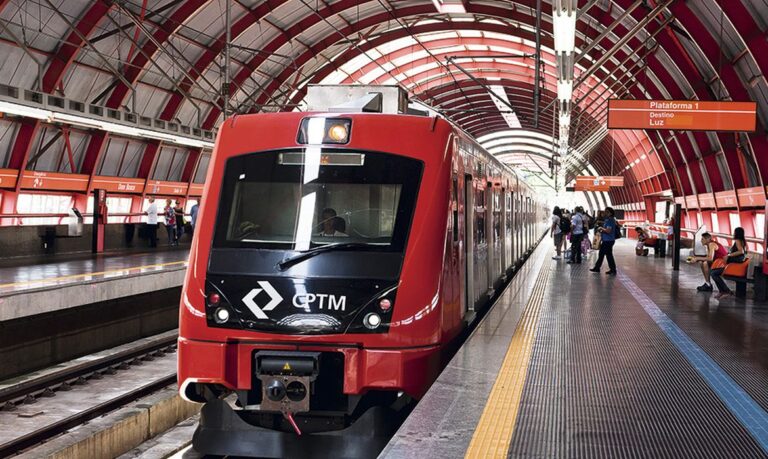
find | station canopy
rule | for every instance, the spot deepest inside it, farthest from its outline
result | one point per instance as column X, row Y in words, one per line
column 472, row 60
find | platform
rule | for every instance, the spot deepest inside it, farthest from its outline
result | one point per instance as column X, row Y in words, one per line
column 41, row 288
column 571, row 363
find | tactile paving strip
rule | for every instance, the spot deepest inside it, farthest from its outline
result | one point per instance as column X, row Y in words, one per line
column 604, row 381
column 491, row 438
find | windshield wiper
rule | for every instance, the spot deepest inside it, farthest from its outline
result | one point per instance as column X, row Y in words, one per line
column 290, row 261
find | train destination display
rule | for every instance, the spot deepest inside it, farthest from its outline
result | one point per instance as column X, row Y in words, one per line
column 686, row 115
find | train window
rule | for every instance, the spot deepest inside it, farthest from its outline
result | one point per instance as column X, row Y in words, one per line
column 455, row 207
column 266, row 203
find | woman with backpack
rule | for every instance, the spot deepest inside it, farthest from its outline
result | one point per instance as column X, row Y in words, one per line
column 610, row 231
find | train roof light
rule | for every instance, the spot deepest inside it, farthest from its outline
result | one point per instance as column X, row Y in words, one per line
column 324, row 131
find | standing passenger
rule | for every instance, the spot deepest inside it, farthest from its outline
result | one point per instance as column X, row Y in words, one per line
column 193, row 211
column 152, row 222
column 179, row 211
column 577, row 233
column 608, row 236
column 555, row 232
column 170, row 222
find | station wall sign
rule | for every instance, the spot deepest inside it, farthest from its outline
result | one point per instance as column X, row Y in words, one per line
column 119, row 184
column 597, row 183
column 682, row 115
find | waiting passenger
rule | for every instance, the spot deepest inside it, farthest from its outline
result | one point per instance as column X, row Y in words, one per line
column 555, row 232
column 170, row 222
column 577, row 234
column 599, row 222
column 640, row 249
column 152, row 221
column 608, row 239
column 737, row 254
column 714, row 251
column 329, row 224
column 179, row 211
column 194, row 211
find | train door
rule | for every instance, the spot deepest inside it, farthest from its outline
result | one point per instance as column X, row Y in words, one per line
column 509, row 260
column 469, row 235
column 490, row 223
column 481, row 240
column 503, row 225
column 513, row 220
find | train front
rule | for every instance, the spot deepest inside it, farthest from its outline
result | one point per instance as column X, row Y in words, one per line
column 299, row 308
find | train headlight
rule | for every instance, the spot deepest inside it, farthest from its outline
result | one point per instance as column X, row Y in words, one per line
column 338, row 133
column 372, row 320
column 221, row 315
column 322, row 131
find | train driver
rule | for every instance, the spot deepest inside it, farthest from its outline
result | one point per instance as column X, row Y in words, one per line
column 330, row 224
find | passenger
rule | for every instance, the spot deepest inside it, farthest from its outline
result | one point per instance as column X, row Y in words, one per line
column 152, row 221
column 170, row 222
column 599, row 222
column 179, row 211
column 565, row 227
column 714, row 251
column 640, row 249
column 329, row 224
column 577, row 234
column 555, row 232
column 608, row 238
column 193, row 211
column 737, row 254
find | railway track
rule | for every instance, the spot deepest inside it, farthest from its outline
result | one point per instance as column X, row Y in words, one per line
column 26, row 393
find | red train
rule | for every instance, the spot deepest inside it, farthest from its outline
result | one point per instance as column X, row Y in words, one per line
column 337, row 257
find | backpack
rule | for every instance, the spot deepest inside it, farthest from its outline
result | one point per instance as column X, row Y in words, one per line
column 565, row 225
column 617, row 231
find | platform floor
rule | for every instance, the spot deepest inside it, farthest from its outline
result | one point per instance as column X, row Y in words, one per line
column 59, row 273
column 577, row 364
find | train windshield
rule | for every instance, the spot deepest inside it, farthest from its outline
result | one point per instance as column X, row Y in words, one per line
column 302, row 199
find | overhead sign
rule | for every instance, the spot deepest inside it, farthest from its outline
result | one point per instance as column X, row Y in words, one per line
column 36, row 180
column 684, row 115
column 166, row 188
column 597, row 183
column 119, row 184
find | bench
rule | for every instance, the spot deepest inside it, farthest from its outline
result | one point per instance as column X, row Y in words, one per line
column 737, row 272
column 658, row 245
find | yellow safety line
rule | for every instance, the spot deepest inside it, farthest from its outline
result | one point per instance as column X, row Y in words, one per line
column 77, row 276
column 497, row 423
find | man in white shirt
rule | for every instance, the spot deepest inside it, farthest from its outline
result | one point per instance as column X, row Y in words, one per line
column 152, row 222
column 577, row 234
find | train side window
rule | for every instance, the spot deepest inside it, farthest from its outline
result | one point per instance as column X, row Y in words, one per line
column 455, row 207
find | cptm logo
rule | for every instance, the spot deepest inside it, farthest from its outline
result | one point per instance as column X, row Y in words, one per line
column 274, row 300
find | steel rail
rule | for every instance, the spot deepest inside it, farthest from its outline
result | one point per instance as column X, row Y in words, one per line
column 45, row 433
column 20, row 392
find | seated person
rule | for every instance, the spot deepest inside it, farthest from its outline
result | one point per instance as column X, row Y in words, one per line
column 642, row 235
column 714, row 251
column 329, row 224
column 737, row 254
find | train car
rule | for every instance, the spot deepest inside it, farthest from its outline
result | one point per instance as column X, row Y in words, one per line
column 336, row 259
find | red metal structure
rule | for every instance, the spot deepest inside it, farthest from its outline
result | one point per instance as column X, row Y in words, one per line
column 162, row 61
column 372, row 313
